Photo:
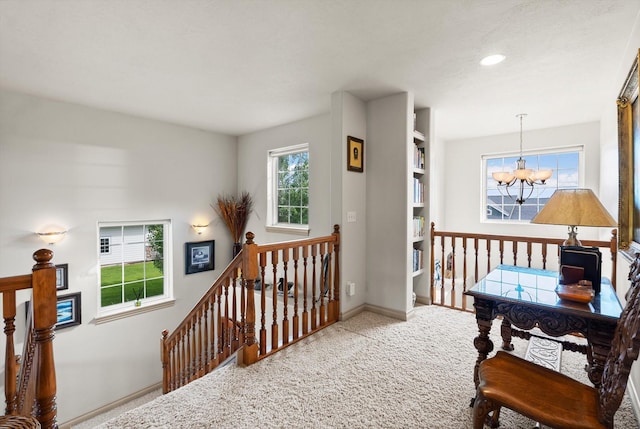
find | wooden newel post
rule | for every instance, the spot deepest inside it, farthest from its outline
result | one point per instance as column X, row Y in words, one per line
column 334, row 310
column 45, row 318
column 248, row 354
column 164, row 358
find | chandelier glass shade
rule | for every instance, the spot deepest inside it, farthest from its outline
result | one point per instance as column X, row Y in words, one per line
column 522, row 178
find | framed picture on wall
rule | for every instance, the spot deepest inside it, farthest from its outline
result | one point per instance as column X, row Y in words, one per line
column 68, row 309
column 199, row 256
column 629, row 163
column 355, row 154
column 62, row 276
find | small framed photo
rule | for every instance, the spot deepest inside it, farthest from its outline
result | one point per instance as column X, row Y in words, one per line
column 355, row 154
column 62, row 276
column 199, row 256
column 68, row 308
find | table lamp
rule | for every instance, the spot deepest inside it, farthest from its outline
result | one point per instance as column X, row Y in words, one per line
column 574, row 207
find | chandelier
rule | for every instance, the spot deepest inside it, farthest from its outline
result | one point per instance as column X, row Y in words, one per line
column 522, row 177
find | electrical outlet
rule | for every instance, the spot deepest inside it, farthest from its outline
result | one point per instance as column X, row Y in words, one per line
column 351, row 288
column 351, row 216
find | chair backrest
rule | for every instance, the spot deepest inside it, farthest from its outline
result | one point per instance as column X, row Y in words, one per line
column 624, row 350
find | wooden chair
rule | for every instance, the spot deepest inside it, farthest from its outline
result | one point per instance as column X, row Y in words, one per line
column 554, row 399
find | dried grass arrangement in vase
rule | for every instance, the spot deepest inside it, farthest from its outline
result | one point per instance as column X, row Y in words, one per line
column 235, row 211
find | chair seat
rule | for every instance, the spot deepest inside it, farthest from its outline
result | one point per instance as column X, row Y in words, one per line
column 539, row 393
column 21, row 422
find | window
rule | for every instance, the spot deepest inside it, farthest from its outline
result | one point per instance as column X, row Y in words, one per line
column 105, row 245
column 134, row 265
column 288, row 193
column 566, row 165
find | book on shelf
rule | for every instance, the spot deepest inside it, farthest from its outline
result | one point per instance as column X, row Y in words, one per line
column 418, row 191
column 418, row 226
column 418, row 262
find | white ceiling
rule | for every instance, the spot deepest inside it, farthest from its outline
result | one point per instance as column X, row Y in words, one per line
column 238, row 66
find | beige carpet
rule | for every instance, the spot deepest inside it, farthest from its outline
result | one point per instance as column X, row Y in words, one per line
column 367, row 372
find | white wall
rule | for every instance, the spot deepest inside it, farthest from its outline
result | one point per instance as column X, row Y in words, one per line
column 349, row 118
column 74, row 166
column 463, row 178
column 252, row 173
column 609, row 176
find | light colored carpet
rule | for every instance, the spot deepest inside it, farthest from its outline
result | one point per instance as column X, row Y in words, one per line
column 367, row 372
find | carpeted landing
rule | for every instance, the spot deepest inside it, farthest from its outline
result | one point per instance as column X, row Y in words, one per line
column 367, row 372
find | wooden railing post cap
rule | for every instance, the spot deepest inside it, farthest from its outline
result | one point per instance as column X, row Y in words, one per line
column 336, row 228
column 250, row 236
column 43, row 258
column 165, row 334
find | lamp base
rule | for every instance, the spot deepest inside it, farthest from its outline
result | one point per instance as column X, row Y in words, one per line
column 572, row 240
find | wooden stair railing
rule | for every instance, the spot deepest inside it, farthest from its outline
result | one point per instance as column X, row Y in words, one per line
column 30, row 385
column 458, row 271
column 293, row 285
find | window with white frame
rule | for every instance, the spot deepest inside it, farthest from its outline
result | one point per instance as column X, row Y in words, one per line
column 288, row 192
column 134, row 264
column 566, row 164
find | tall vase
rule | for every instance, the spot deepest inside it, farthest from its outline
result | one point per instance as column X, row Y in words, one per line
column 237, row 247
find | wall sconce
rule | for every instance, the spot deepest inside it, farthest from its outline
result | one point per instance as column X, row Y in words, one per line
column 51, row 237
column 199, row 229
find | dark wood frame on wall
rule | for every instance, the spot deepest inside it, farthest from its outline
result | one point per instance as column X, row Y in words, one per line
column 191, row 264
column 355, row 154
column 628, row 170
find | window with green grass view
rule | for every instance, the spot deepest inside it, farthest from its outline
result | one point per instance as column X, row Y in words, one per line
column 289, row 181
column 132, row 264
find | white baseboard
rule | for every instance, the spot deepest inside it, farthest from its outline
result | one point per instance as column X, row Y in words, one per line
column 109, row 407
column 634, row 396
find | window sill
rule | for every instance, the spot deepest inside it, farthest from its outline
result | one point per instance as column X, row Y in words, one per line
column 133, row 311
column 301, row 230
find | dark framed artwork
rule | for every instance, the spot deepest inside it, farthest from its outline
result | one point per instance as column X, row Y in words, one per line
column 199, row 256
column 629, row 164
column 62, row 276
column 68, row 308
column 355, row 154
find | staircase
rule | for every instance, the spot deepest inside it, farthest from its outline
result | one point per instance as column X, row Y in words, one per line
column 247, row 314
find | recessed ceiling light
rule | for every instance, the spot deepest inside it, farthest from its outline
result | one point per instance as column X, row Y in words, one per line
column 492, row 60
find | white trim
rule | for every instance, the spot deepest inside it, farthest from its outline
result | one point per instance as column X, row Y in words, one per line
column 132, row 310
column 272, row 224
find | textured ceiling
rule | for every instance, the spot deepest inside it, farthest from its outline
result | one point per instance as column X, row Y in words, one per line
column 238, row 66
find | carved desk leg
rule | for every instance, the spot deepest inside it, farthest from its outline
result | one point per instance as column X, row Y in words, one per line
column 505, row 330
column 482, row 342
column 599, row 336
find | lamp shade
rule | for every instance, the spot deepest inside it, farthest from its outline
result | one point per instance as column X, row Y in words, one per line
column 574, row 207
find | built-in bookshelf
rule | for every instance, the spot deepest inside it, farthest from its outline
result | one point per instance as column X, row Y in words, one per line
column 419, row 213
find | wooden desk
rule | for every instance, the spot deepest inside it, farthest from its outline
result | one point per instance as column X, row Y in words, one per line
column 526, row 299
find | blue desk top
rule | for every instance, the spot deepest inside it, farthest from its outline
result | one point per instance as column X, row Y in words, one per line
column 536, row 287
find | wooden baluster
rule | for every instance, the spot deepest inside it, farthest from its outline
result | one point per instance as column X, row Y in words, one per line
column 323, row 308
column 193, row 354
column 305, row 311
column 225, row 320
column 334, row 281
column 514, row 246
column 198, row 343
column 443, row 268
column 475, row 248
column 296, row 320
column 263, row 304
column 544, row 256
column 432, row 288
column 285, row 297
column 613, row 248
column 9, row 314
column 464, row 272
column 183, row 366
column 219, row 340
column 205, row 337
column 235, row 335
column 174, row 365
column 488, row 255
column 529, row 250
column 501, row 251
column 164, row 358
column 453, row 271
column 274, row 300
column 313, row 288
